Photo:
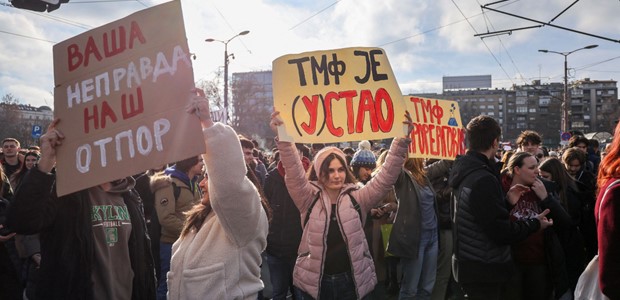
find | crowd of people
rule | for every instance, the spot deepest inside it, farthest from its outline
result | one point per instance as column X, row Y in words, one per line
column 328, row 223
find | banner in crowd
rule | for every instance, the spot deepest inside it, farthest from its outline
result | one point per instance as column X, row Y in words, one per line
column 121, row 91
column 337, row 95
column 438, row 131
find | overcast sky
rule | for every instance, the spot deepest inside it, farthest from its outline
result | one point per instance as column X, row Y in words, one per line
column 424, row 40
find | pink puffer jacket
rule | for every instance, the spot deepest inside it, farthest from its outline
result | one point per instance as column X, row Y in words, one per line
column 309, row 265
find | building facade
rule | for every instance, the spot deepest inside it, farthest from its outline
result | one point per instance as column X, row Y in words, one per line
column 18, row 121
column 593, row 105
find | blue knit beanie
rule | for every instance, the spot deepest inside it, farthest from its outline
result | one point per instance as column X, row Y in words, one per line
column 364, row 158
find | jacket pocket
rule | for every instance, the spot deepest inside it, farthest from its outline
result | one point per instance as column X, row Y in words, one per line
column 204, row 283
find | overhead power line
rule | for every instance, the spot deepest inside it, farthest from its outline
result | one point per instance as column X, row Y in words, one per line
column 28, row 37
column 485, row 44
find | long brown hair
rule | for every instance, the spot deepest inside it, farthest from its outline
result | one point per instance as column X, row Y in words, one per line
column 560, row 176
column 199, row 212
column 610, row 165
column 415, row 166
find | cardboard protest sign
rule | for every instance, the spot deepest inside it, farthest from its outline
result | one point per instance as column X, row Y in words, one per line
column 121, row 91
column 438, row 131
column 337, row 95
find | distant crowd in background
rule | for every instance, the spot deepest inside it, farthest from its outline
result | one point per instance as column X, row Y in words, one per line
column 327, row 223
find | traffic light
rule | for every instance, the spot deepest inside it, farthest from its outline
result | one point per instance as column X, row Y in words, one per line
column 38, row 5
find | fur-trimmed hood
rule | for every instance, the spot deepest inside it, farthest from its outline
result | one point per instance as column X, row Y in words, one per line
column 159, row 181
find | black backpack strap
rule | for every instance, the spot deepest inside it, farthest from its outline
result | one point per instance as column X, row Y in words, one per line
column 356, row 205
column 176, row 190
column 318, row 195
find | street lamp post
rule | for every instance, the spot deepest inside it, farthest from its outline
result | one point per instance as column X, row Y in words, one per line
column 565, row 105
column 226, row 61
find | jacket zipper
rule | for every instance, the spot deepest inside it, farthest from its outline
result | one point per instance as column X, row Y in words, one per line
column 346, row 245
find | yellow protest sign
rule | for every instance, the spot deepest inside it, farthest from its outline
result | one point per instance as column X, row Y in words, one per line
column 438, row 131
column 121, row 91
column 337, row 95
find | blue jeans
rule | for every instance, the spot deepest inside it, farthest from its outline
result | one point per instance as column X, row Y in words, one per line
column 419, row 274
column 281, row 276
column 336, row 287
column 165, row 253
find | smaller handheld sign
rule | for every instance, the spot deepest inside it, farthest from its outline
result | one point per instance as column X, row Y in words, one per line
column 438, row 131
column 337, row 95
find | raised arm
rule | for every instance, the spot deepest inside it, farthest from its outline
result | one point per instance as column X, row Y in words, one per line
column 233, row 197
column 382, row 183
column 301, row 190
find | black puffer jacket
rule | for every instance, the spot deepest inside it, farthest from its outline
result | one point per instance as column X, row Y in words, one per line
column 285, row 227
column 483, row 231
column 67, row 243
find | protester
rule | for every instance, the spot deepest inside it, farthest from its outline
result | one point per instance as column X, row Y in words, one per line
column 383, row 215
column 30, row 159
column 79, row 258
column 414, row 237
column 574, row 161
column 438, row 173
column 529, row 141
column 284, row 231
column 333, row 258
column 541, row 266
column 10, row 286
column 572, row 240
column 28, row 246
column 258, row 167
column 10, row 161
column 218, row 254
column 362, row 164
column 594, row 155
column 143, row 187
column 607, row 212
column 176, row 192
column 482, row 259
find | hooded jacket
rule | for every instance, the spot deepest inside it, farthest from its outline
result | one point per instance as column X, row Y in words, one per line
column 482, row 229
column 222, row 259
column 311, row 254
column 67, row 241
column 171, row 209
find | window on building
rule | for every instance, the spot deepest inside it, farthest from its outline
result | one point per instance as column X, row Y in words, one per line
column 532, row 110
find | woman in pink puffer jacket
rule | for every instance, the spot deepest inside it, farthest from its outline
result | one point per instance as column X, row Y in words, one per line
column 334, row 261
